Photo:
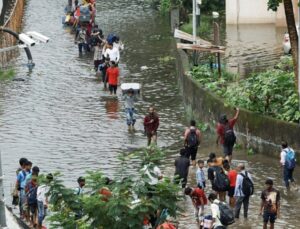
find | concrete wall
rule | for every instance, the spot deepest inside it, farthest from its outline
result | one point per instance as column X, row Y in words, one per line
column 14, row 23
column 261, row 133
column 254, row 11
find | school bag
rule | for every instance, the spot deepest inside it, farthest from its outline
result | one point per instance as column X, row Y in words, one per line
column 290, row 160
column 226, row 214
column 111, row 38
column 229, row 136
column 247, row 185
column 32, row 194
column 221, row 181
column 192, row 139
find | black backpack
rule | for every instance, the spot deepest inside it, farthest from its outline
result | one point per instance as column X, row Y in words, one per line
column 221, row 181
column 247, row 185
column 229, row 136
column 226, row 214
column 32, row 194
column 192, row 139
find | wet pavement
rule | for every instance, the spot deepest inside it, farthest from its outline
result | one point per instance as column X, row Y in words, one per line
column 62, row 119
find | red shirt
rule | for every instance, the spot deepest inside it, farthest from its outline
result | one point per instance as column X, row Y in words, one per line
column 232, row 174
column 112, row 75
column 221, row 129
column 197, row 194
column 153, row 126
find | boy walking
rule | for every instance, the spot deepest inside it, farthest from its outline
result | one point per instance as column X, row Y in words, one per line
column 151, row 124
column 182, row 165
column 200, row 175
column 112, row 74
column 270, row 204
column 243, row 191
column 192, row 137
column 42, row 200
column 288, row 163
column 226, row 134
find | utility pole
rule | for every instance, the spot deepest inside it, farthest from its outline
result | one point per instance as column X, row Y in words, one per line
column 194, row 21
column 2, row 203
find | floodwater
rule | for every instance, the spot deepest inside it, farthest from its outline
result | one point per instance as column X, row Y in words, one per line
column 61, row 118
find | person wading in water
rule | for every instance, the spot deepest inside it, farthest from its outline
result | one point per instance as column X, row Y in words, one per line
column 226, row 134
column 151, row 123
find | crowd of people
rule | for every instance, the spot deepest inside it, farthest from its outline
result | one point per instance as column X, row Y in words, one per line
column 29, row 195
column 225, row 186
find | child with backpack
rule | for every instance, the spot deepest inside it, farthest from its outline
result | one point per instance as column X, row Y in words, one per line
column 192, row 138
column 288, row 163
column 222, row 214
column 226, row 134
column 244, row 188
column 31, row 194
column 219, row 180
column 199, row 201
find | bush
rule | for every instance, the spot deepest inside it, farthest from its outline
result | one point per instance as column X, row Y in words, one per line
column 129, row 203
column 271, row 92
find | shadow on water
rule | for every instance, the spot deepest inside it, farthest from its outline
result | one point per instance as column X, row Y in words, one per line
column 61, row 118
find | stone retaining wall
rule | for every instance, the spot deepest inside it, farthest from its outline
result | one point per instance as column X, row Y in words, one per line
column 14, row 23
column 261, row 133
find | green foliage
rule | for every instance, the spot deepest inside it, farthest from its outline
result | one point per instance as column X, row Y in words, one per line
column 212, row 5
column 273, row 4
column 250, row 152
column 164, row 6
column 271, row 92
column 203, row 126
column 6, row 74
column 128, row 204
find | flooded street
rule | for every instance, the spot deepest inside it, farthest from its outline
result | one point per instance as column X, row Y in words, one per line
column 61, row 118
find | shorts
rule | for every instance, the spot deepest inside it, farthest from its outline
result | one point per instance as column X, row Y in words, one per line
column 33, row 208
column 192, row 152
column 227, row 150
column 113, row 88
column 150, row 135
column 231, row 191
column 269, row 217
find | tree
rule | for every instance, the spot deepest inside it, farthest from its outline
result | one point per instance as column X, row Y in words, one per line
column 290, row 21
column 128, row 204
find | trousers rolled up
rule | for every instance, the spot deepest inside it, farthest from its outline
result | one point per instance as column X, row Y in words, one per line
column 130, row 116
column 241, row 200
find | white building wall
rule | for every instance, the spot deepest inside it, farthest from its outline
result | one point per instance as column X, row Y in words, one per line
column 253, row 12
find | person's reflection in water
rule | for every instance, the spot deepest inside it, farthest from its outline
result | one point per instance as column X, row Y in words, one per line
column 112, row 108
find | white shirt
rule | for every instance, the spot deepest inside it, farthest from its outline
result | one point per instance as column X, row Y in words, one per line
column 153, row 180
column 119, row 45
column 239, row 183
column 215, row 212
column 113, row 54
column 41, row 193
column 283, row 155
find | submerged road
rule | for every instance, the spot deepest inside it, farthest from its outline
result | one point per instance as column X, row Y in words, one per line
column 62, row 120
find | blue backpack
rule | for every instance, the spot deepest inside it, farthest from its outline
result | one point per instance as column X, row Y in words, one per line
column 111, row 38
column 290, row 160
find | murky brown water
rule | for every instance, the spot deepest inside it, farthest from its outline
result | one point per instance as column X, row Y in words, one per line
column 61, row 118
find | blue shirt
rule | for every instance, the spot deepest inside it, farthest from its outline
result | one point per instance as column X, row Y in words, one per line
column 21, row 178
column 200, row 176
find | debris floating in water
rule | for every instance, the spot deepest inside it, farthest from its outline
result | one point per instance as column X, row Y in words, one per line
column 143, row 68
